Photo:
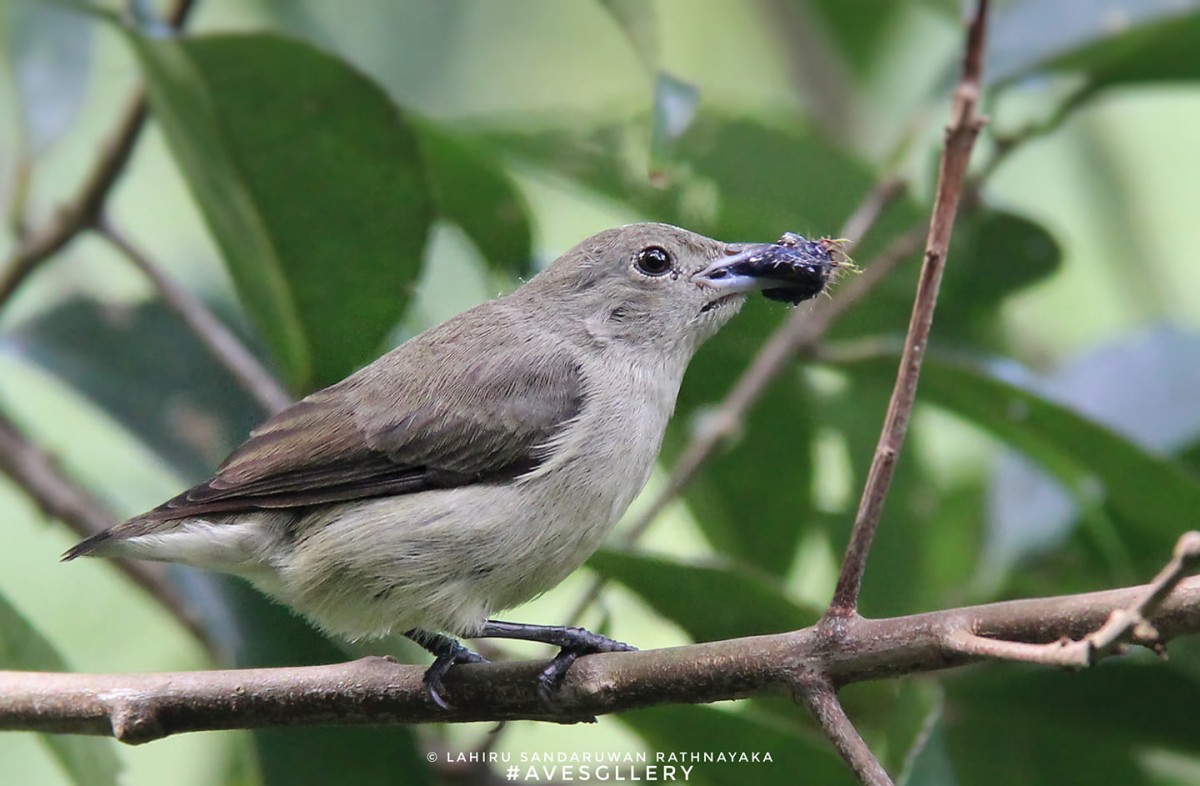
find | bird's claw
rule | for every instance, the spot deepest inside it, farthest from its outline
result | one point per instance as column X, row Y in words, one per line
column 441, row 666
column 588, row 643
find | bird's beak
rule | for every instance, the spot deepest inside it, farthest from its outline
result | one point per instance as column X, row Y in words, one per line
column 781, row 272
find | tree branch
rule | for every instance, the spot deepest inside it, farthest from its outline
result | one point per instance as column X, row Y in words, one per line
column 1130, row 624
column 82, row 210
column 38, row 475
column 142, row 707
column 219, row 340
column 822, row 701
column 964, row 127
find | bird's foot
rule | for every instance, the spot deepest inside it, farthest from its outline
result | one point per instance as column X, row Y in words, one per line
column 573, row 643
column 449, row 652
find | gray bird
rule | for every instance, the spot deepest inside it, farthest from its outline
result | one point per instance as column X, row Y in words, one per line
column 481, row 462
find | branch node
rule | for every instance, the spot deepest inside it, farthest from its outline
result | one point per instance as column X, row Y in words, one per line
column 134, row 723
column 1124, row 625
column 1187, row 549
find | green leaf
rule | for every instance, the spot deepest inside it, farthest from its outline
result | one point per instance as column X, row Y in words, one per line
column 142, row 366
column 1142, row 385
column 735, row 178
column 474, row 192
column 1154, row 495
column 916, row 709
column 88, row 761
column 994, row 255
column 1163, row 50
column 1100, row 722
column 932, row 765
column 855, row 29
column 709, row 601
column 708, row 730
column 22, row 646
column 311, row 182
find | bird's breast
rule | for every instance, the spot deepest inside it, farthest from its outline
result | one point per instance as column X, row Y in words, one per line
column 601, row 461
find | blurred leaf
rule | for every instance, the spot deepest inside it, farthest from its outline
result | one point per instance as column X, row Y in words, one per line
column 143, row 367
column 88, row 761
column 1190, row 457
column 994, row 255
column 475, row 192
column 856, row 28
column 310, row 180
column 22, row 646
column 1025, row 725
column 50, row 46
column 675, row 105
column 1154, row 494
column 711, row 602
column 753, row 499
column 737, row 178
column 953, row 521
column 639, row 22
column 932, row 765
column 704, row 729
column 917, row 708
column 269, row 635
column 1155, row 51
column 1143, row 386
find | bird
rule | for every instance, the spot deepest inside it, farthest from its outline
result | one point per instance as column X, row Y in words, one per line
column 479, row 463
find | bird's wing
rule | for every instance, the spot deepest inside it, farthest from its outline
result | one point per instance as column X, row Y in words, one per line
column 488, row 419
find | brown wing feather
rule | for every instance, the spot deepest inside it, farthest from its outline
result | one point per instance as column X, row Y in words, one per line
column 485, row 412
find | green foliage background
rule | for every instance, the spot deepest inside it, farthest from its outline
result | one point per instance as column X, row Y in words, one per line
column 334, row 177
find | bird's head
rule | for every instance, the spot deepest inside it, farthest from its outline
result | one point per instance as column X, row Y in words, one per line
column 656, row 285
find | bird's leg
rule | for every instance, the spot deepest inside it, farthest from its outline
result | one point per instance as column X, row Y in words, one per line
column 449, row 652
column 572, row 642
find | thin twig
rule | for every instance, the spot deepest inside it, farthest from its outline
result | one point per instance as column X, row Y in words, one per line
column 1134, row 623
column 799, row 333
column 964, row 127
column 818, row 695
column 1130, row 624
column 219, row 340
column 79, row 212
column 38, row 475
column 143, row 707
column 1052, row 654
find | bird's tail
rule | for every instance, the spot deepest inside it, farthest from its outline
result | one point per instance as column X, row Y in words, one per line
column 89, row 545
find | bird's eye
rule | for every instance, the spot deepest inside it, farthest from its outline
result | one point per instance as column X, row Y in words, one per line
column 653, row 261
